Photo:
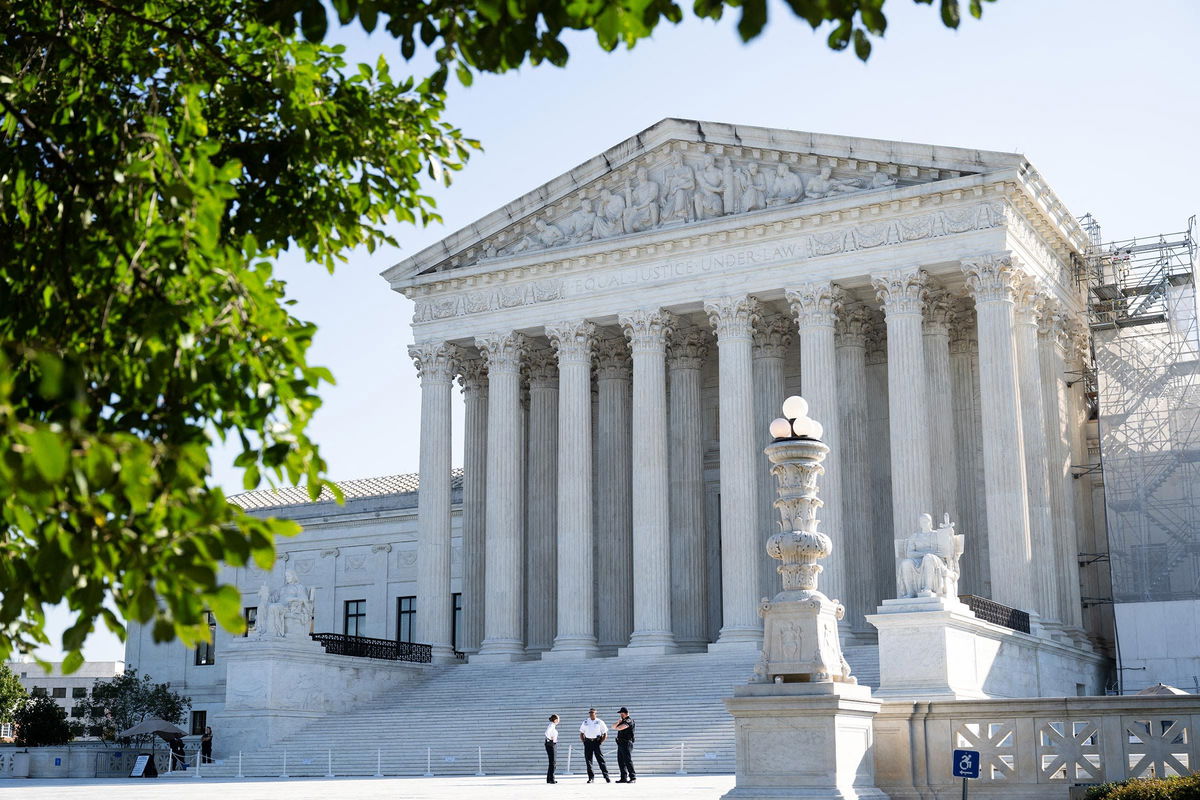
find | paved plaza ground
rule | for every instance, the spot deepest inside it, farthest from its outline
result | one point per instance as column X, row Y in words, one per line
column 675, row 787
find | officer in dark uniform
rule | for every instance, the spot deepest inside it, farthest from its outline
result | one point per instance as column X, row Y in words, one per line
column 624, row 730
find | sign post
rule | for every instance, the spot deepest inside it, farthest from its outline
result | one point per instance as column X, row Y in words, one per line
column 966, row 766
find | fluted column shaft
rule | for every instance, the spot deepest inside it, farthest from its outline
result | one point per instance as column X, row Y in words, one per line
column 772, row 337
column 883, row 546
column 474, row 512
column 576, row 611
column 1037, row 463
column 689, row 600
column 436, row 367
column 902, row 292
column 732, row 318
column 503, row 605
column 943, row 464
column 614, row 488
column 992, row 280
column 647, row 332
column 968, row 436
column 816, row 306
column 541, row 551
column 851, row 354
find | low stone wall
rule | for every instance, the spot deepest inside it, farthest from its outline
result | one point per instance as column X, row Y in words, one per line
column 75, row 761
column 1034, row 748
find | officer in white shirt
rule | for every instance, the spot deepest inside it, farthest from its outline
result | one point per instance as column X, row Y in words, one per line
column 551, row 747
column 592, row 733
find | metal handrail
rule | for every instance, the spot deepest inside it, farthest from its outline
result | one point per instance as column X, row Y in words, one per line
column 997, row 613
column 340, row 644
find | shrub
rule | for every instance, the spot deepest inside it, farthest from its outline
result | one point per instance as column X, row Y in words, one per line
column 41, row 722
column 1182, row 787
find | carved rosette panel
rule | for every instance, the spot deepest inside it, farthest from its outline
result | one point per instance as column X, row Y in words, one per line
column 647, row 329
column 772, row 336
column 437, row 362
column 472, row 375
column 733, row 317
column 901, row 291
column 613, row 361
column 938, row 311
column 542, row 369
column 504, row 351
column 853, row 324
column 992, row 278
column 573, row 341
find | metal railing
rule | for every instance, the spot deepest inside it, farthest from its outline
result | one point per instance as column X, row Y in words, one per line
column 997, row 613
column 340, row 644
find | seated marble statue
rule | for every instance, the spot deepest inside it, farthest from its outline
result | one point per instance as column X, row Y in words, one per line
column 290, row 615
column 927, row 561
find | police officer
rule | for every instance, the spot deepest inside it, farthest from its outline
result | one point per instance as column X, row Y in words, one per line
column 551, row 747
column 624, row 729
column 592, row 733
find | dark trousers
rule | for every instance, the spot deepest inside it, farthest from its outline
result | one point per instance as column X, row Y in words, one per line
column 206, row 752
column 625, row 759
column 591, row 747
column 551, row 747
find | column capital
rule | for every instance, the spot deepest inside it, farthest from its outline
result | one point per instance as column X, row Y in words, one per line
column 852, row 327
column 938, row 311
column 647, row 328
column 1051, row 317
column 816, row 304
column 993, row 277
column 1079, row 336
column 901, row 291
column 689, row 347
column 613, row 361
column 732, row 317
column 436, row 362
column 542, row 369
column 772, row 336
column 1029, row 298
column 876, row 340
column 472, row 375
column 963, row 334
column 572, row 340
column 503, row 351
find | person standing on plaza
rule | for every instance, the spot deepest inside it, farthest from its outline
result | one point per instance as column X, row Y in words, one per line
column 551, row 747
column 592, row 733
column 624, row 729
column 206, row 746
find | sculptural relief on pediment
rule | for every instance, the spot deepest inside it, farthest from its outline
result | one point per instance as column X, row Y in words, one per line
column 684, row 184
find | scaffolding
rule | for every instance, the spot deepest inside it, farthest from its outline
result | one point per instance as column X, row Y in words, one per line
column 1146, row 351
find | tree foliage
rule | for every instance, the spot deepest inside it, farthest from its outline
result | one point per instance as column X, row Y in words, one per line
column 155, row 157
column 41, row 722
column 11, row 693
column 121, row 702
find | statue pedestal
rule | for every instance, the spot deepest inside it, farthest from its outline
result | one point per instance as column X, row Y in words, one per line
column 804, row 740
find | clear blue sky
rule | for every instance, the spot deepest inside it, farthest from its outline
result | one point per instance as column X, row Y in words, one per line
column 1099, row 94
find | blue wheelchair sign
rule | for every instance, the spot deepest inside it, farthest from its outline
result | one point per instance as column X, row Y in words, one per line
column 966, row 763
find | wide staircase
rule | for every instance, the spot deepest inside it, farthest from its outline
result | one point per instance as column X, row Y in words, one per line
column 490, row 717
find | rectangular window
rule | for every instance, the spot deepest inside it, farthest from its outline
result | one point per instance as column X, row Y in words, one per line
column 356, row 618
column 406, row 613
column 206, row 652
column 78, row 692
column 38, row 691
column 59, row 691
column 199, row 721
column 76, row 712
column 456, row 621
column 251, row 615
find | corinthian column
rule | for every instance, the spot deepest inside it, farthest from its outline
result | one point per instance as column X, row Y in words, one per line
column 1029, row 301
column 993, row 281
column 614, row 489
column 850, row 339
column 902, row 294
column 942, row 462
column 816, row 306
column 576, row 613
column 968, row 438
column 733, row 320
column 541, row 549
column 772, row 338
column 689, row 599
column 436, row 368
column 883, row 546
column 474, row 513
column 503, row 628
column 647, row 332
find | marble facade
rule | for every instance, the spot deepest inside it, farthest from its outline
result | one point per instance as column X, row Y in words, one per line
column 620, row 332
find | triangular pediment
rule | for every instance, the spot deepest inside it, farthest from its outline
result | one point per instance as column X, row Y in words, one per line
column 682, row 173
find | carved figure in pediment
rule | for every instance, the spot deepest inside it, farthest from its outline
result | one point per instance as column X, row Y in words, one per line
column 881, row 180
column 786, row 187
column 710, row 183
column 543, row 235
column 825, row 185
column 610, row 212
column 752, row 188
column 680, row 187
column 927, row 561
column 641, row 212
column 579, row 225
